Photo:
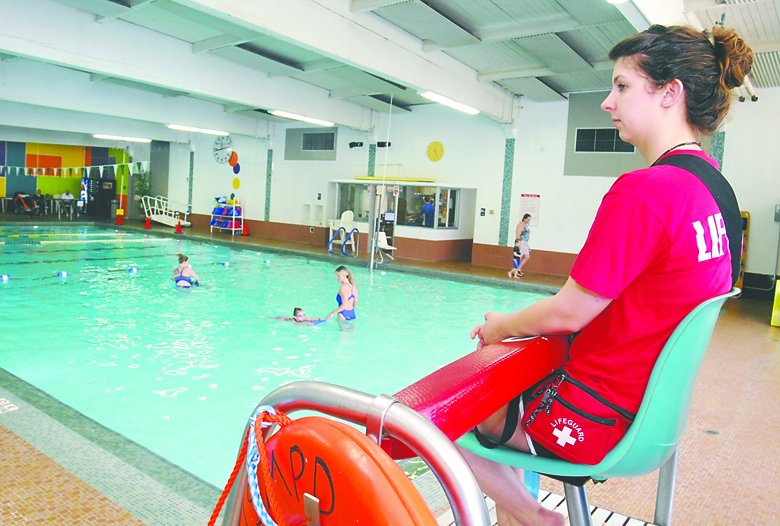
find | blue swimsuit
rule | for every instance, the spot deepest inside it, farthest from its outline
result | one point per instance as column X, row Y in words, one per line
column 185, row 279
column 348, row 314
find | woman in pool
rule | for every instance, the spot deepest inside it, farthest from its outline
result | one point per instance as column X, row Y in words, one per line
column 347, row 297
column 184, row 276
column 647, row 261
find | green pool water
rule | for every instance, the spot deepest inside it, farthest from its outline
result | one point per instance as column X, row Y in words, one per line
column 179, row 371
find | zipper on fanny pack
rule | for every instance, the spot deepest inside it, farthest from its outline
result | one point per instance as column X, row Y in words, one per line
column 599, row 420
column 623, row 412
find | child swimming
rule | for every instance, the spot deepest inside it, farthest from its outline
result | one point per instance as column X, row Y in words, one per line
column 300, row 317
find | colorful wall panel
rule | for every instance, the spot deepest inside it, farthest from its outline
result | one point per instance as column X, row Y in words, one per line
column 54, row 168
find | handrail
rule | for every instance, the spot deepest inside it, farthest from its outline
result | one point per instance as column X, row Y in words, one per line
column 330, row 244
column 357, row 241
column 159, row 205
column 401, row 422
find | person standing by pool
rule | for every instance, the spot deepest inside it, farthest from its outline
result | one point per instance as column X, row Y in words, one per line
column 183, row 275
column 524, row 235
column 347, row 296
column 646, row 262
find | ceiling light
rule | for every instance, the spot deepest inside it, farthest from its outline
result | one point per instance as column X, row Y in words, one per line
column 449, row 102
column 293, row 116
column 197, row 130
column 616, row 1
column 118, row 138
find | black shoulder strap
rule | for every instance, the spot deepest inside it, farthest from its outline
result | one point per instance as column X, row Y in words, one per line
column 724, row 197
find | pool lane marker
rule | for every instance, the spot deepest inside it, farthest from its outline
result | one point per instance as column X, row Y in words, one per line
column 71, row 235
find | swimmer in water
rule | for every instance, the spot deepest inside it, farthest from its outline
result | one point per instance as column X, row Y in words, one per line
column 184, row 276
column 347, row 297
column 300, row 317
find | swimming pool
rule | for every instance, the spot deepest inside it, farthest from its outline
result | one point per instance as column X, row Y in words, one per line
column 179, row 371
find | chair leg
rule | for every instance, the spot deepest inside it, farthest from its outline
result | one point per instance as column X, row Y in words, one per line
column 577, row 504
column 664, row 499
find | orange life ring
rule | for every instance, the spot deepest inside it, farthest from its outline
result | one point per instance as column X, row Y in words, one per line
column 355, row 481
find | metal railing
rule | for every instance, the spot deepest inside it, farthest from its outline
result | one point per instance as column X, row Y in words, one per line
column 381, row 416
column 346, row 239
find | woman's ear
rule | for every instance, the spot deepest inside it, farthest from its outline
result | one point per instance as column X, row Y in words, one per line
column 673, row 93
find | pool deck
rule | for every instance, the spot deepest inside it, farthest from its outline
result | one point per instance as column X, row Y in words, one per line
column 728, row 464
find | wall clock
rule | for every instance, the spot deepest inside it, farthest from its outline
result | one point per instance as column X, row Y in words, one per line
column 435, row 151
column 223, row 148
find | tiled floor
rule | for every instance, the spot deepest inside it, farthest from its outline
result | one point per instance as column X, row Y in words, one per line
column 35, row 490
column 728, row 468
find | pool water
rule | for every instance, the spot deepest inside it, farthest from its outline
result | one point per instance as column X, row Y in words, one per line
column 179, row 371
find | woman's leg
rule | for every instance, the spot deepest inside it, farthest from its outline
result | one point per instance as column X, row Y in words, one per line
column 523, row 260
column 515, row 506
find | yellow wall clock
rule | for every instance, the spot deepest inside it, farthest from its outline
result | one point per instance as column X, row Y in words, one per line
column 435, row 151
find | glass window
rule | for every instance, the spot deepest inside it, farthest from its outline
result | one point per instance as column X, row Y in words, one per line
column 447, row 208
column 600, row 140
column 353, row 197
column 423, row 206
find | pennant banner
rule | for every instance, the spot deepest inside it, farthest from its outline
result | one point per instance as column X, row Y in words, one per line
column 71, row 171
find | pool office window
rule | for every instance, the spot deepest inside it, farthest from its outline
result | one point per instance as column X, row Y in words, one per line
column 407, row 205
column 602, row 140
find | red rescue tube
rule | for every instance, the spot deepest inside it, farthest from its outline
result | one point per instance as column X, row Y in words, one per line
column 464, row 393
column 354, row 480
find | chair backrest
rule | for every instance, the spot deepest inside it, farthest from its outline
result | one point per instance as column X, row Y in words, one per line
column 346, row 220
column 663, row 414
column 381, row 240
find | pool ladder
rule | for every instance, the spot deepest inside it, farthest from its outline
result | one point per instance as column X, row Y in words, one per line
column 354, row 232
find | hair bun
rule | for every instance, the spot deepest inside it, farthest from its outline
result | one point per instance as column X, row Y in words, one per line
column 733, row 54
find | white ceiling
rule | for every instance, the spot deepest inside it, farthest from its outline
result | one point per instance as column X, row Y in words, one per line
column 540, row 49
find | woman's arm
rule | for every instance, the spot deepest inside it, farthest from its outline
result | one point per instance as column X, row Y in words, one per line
column 343, row 294
column 570, row 310
column 355, row 292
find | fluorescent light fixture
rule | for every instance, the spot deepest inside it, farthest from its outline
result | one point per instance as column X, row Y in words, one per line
column 616, row 1
column 197, row 130
column 118, row 138
column 449, row 102
column 293, row 116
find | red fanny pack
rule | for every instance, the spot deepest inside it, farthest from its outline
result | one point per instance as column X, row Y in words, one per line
column 573, row 421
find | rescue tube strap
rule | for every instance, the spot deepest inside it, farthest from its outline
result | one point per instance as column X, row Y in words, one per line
column 252, row 460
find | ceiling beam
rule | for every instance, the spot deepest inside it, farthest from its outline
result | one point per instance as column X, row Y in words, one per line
column 635, row 17
column 364, row 6
column 764, row 46
column 367, row 43
column 691, row 6
column 5, row 57
column 42, row 31
column 134, row 6
column 490, row 76
column 538, row 27
column 210, row 44
column 357, row 91
column 96, row 77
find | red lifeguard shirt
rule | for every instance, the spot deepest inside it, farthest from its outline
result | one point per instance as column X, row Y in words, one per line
column 658, row 247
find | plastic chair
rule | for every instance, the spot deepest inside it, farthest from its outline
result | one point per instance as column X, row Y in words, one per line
column 346, row 222
column 653, row 439
column 383, row 248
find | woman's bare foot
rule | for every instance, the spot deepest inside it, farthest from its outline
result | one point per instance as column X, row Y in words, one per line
column 510, row 274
